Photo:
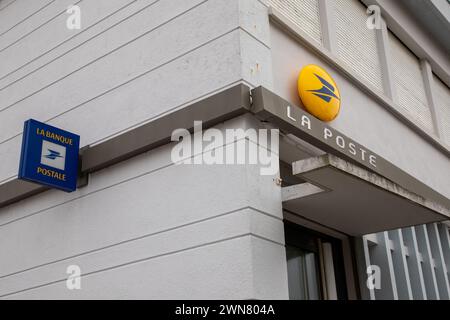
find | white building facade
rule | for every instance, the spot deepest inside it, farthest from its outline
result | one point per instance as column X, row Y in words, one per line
column 143, row 227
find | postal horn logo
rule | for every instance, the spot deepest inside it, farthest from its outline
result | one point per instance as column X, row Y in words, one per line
column 53, row 155
column 319, row 93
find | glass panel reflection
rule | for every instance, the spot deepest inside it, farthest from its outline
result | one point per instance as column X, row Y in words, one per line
column 302, row 274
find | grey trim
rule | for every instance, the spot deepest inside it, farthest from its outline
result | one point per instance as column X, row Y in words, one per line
column 269, row 107
column 16, row 190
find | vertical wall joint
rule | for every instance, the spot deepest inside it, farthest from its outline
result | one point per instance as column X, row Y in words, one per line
column 327, row 24
column 386, row 61
column 427, row 75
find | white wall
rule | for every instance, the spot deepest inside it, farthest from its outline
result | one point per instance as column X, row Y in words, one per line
column 144, row 228
column 158, row 60
column 147, row 228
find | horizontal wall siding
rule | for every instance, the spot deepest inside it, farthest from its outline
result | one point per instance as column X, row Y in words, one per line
column 357, row 44
column 35, row 22
column 150, row 246
column 145, row 97
column 409, row 84
column 303, row 13
column 442, row 103
column 133, row 61
column 41, row 34
column 138, row 218
column 128, row 73
column 221, row 270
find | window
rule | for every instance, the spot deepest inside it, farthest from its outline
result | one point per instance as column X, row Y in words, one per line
column 315, row 265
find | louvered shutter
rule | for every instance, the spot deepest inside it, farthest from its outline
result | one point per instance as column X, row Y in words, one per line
column 303, row 13
column 357, row 44
column 409, row 84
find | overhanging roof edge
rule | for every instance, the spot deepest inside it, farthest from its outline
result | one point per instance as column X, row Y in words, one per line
column 316, row 163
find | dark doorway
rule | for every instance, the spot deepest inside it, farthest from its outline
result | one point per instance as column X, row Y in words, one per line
column 315, row 265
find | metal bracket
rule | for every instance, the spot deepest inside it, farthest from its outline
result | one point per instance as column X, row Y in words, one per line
column 83, row 177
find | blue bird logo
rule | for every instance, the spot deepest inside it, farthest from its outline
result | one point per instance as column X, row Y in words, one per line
column 53, row 154
column 325, row 93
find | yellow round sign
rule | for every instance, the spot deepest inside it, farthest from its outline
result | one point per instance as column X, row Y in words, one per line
column 319, row 93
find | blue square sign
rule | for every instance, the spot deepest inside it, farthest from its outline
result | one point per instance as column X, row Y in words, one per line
column 49, row 156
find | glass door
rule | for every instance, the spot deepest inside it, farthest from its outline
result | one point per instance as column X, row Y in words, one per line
column 303, row 278
column 314, row 263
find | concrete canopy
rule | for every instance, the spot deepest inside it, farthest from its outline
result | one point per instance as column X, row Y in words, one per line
column 356, row 201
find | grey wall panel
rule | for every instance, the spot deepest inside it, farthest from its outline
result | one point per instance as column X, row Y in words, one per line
column 140, row 226
column 380, row 255
column 185, row 237
column 409, row 84
column 420, row 258
column 34, row 22
column 5, row 3
column 97, row 219
column 73, row 81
